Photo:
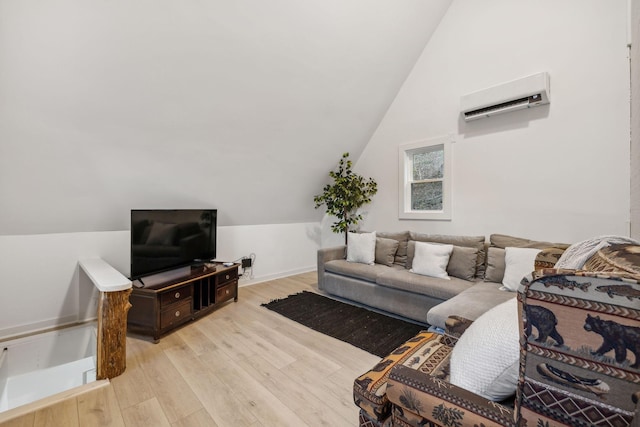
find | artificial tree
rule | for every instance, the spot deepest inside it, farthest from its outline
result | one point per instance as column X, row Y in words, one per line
column 345, row 196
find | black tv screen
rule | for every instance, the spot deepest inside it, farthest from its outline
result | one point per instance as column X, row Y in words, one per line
column 163, row 239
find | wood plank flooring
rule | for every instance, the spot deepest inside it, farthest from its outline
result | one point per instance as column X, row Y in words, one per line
column 242, row 365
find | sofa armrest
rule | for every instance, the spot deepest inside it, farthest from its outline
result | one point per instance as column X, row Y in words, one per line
column 417, row 397
column 329, row 254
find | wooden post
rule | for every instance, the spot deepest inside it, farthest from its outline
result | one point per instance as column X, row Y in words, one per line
column 112, row 333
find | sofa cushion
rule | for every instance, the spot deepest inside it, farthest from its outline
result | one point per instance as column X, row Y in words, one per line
column 504, row 240
column 368, row 272
column 470, row 304
column 361, row 247
column 386, row 250
column 431, row 259
column 425, row 352
column 402, row 237
column 434, row 287
column 495, row 265
column 462, row 241
column 486, row 358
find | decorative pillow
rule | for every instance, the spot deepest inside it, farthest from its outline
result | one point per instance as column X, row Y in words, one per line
column 162, row 234
column 495, row 265
column 403, row 238
column 486, row 358
column 462, row 263
column 431, row 259
column 518, row 263
column 547, row 258
column 361, row 247
column 386, row 251
column 461, row 241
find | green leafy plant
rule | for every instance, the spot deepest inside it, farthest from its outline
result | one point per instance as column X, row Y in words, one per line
column 345, row 196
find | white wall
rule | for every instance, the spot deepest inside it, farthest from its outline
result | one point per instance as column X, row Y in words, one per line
column 240, row 106
column 40, row 278
column 112, row 105
column 634, row 35
column 280, row 249
column 558, row 172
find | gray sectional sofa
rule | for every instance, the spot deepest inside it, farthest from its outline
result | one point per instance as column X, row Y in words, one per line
column 475, row 270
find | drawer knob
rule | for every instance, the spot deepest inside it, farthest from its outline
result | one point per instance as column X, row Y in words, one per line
column 177, row 295
column 177, row 313
column 227, row 276
column 227, row 291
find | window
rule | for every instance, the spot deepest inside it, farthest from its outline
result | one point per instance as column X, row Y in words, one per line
column 425, row 179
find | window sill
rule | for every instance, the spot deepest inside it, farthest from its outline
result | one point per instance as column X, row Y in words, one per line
column 433, row 216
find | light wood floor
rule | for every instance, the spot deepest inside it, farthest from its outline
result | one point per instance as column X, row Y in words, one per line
column 242, row 365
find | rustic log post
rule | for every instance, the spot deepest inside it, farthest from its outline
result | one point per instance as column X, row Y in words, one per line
column 112, row 333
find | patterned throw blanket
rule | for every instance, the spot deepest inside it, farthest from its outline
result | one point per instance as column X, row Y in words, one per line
column 579, row 253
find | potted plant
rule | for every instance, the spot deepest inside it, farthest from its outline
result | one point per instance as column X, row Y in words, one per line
column 345, row 196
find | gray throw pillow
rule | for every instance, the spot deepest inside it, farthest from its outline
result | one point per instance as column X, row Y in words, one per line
column 386, row 250
column 495, row 265
column 462, row 263
column 402, row 237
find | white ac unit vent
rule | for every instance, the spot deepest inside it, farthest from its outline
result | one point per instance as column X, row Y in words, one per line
column 527, row 92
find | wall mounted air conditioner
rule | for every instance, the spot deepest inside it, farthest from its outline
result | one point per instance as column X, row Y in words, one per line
column 527, row 92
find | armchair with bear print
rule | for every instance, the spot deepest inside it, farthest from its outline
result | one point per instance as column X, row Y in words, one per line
column 580, row 349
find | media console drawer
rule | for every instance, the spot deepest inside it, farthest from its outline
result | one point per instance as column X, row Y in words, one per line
column 174, row 314
column 227, row 276
column 226, row 292
column 176, row 295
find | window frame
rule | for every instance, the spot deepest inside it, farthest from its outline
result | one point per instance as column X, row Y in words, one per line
column 405, row 168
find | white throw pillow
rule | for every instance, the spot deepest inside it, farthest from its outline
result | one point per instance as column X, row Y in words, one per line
column 361, row 247
column 486, row 358
column 431, row 259
column 518, row 263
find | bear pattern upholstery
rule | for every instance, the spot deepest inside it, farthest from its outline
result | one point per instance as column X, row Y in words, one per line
column 580, row 349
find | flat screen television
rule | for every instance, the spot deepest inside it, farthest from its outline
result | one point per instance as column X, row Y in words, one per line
column 165, row 239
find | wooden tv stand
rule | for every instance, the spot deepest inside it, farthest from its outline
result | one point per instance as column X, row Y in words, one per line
column 163, row 307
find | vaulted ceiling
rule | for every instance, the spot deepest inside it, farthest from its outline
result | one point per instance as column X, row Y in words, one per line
column 242, row 106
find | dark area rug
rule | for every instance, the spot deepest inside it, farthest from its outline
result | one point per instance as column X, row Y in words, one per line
column 373, row 332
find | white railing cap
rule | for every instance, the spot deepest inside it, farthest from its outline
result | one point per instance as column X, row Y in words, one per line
column 104, row 276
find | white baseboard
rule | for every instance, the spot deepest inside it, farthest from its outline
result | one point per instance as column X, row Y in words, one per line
column 14, row 331
column 260, row 279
